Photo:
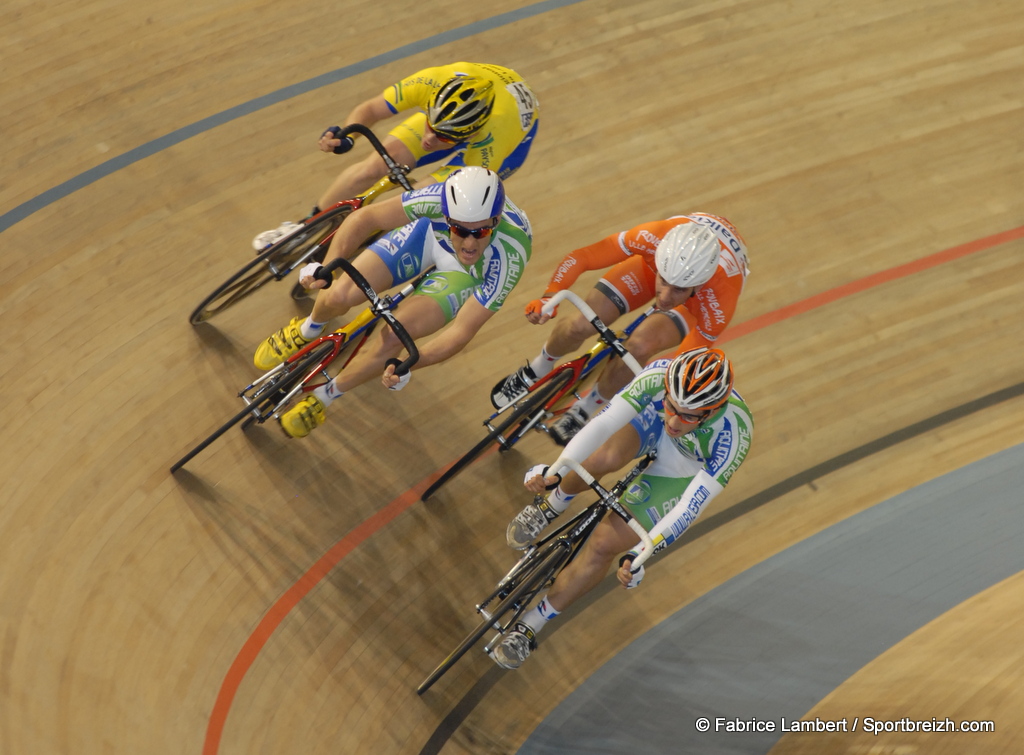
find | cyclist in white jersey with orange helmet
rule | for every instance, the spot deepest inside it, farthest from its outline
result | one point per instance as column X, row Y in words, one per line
column 684, row 409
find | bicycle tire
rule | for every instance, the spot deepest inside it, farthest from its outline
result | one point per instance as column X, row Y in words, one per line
column 272, row 264
column 548, row 564
column 530, row 404
column 275, row 390
column 211, row 438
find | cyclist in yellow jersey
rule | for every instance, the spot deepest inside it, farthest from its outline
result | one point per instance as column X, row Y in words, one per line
column 466, row 114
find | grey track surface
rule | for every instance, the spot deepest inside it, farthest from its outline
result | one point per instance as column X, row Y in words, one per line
column 775, row 640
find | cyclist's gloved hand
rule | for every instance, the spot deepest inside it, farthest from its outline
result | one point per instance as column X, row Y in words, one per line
column 627, row 578
column 392, row 381
column 537, row 479
column 534, row 314
column 331, row 135
column 306, row 276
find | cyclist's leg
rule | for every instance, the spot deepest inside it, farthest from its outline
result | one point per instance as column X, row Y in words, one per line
column 433, row 306
column 630, row 285
column 515, row 160
column 572, row 330
column 344, row 293
column 610, row 538
column 622, row 289
column 392, row 259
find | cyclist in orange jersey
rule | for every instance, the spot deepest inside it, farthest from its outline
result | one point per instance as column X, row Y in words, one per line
column 692, row 266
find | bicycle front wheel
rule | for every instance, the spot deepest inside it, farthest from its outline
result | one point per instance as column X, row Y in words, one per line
column 272, row 264
column 523, row 413
column 532, row 579
column 270, row 396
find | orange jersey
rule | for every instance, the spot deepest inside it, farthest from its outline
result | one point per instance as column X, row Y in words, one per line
column 711, row 307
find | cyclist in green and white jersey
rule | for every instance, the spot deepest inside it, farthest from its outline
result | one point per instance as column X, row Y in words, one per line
column 686, row 410
column 478, row 243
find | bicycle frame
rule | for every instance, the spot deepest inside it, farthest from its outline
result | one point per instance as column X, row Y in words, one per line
column 309, row 241
column 609, row 342
column 360, row 328
column 571, row 537
column 541, row 564
column 266, row 396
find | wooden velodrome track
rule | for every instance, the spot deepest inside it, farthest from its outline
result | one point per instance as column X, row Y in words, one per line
column 285, row 596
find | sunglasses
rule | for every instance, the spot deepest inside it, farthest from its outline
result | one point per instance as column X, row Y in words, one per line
column 462, row 232
column 687, row 417
column 444, row 137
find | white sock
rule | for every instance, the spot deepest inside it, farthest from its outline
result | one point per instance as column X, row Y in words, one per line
column 310, row 330
column 328, row 392
column 592, row 403
column 539, row 616
column 543, row 363
column 559, row 501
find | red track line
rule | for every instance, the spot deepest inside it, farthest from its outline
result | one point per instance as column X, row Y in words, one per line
column 870, row 281
column 283, row 606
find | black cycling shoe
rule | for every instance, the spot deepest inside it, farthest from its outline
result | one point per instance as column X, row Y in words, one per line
column 513, row 387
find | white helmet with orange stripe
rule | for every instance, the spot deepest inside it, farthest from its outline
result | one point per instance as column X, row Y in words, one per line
column 688, row 255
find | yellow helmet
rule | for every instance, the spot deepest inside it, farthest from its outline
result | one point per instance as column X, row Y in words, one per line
column 460, row 107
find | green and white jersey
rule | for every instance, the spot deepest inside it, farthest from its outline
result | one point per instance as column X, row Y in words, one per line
column 689, row 470
column 718, row 446
column 499, row 268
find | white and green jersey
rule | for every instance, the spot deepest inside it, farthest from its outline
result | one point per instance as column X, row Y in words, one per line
column 499, row 268
column 689, row 470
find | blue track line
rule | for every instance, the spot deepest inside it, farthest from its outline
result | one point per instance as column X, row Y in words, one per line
column 149, row 149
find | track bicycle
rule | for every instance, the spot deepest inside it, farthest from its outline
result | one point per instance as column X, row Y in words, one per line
column 309, row 242
column 267, row 396
column 539, row 404
column 543, row 561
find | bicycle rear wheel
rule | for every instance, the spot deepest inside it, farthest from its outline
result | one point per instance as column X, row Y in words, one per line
column 523, row 413
column 531, row 581
column 273, row 264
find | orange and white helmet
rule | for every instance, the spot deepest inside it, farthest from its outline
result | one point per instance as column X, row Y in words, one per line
column 699, row 379
column 688, row 255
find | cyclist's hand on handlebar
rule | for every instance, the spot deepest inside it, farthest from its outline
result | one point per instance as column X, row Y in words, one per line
column 627, row 578
column 533, row 313
column 329, row 141
column 392, row 381
column 538, row 481
column 306, row 276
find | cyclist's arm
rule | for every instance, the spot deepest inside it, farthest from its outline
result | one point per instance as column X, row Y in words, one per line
column 370, row 111
column 615, row 416
column 457, row 335
column 701, row 490
column 604, row 253
column 367, row 113
column 384, row 215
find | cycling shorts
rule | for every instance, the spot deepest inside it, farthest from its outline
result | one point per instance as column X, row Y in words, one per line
column 403, row 251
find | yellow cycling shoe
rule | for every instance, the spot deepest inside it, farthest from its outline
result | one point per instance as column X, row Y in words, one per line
column 304, row 417
column 280, row 346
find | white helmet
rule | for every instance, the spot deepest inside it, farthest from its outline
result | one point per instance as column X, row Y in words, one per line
column 472, row 194
column 688, row 255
